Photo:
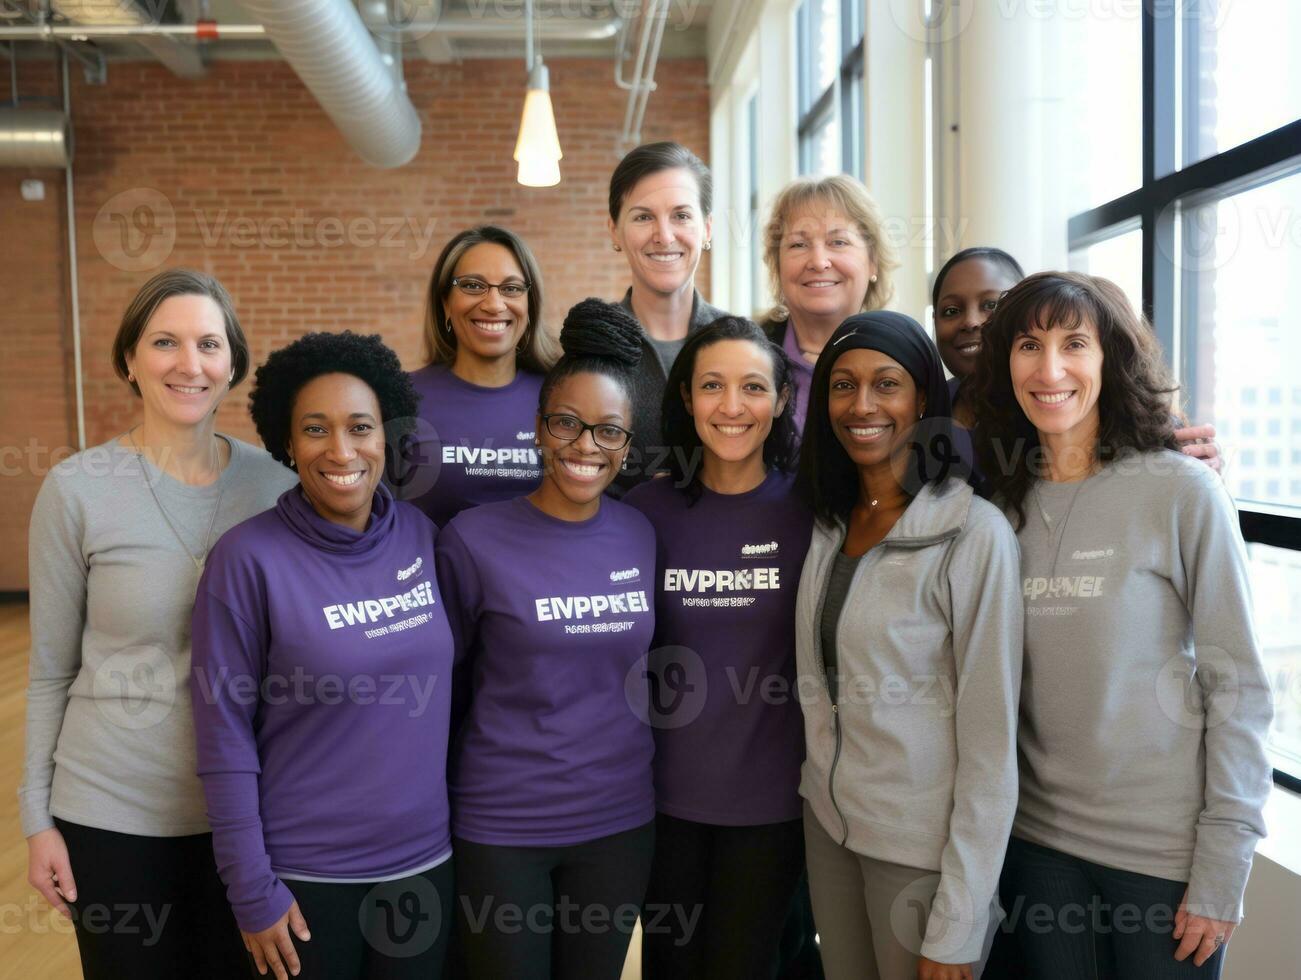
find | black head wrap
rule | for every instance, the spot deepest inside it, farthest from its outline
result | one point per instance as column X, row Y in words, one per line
column 827, row 476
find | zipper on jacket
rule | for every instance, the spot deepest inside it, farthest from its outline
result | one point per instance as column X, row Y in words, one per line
column 831, row 776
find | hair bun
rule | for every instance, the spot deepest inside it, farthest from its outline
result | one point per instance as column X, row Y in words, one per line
column 595, row 328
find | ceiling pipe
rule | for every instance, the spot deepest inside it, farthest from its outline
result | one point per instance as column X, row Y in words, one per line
column 213, row 31
column 328, row 46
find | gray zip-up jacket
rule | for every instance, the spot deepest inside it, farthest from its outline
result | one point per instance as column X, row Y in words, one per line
column 912, row 758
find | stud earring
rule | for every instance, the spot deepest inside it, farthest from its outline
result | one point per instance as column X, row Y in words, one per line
column 872, row 279
column 616, row 247
column 707, row 246
column 131, row 378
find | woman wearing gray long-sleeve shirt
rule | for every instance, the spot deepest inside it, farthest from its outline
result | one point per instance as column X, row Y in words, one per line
column 1145, row 704
column 908, row 647
column 110, row 803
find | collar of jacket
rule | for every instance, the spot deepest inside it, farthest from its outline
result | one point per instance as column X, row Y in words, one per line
column 937, row 513
column 702, row 313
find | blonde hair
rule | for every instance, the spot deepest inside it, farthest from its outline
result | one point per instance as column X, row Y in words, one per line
column 537, row 349
column 848, row 196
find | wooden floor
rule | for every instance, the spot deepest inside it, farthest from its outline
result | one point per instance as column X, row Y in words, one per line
column 34, row 943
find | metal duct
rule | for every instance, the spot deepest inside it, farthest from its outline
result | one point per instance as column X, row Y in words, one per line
column 328, row 46
column 34, row 138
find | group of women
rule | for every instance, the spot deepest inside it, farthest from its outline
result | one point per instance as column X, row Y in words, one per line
column 528, row 644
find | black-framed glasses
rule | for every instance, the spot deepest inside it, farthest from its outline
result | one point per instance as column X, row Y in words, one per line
column 568, row 428
column 473, row 286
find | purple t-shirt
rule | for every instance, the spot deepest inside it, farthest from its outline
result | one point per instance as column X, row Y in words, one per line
column 554, row 619
column 803, row 377
column 730, row 739
column 321, row 683
column 473, row 445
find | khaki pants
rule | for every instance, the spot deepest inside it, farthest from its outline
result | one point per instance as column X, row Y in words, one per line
column 868, row 928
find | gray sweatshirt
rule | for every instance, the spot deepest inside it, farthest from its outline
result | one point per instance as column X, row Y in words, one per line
column 110, row 740
column 915, row 761
column 1145, row 704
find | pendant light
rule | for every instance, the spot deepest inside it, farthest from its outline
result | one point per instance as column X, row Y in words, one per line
column 537, row 150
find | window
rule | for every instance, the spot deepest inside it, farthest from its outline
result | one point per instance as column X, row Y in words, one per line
column 752, row 172
column 1276, row 593
column 1211, row 212
column 1118, row 258
column 829, row 39
column 1248, row 457
column 1228, row 106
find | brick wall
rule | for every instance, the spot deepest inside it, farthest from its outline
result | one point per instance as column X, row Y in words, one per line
column 241, row 174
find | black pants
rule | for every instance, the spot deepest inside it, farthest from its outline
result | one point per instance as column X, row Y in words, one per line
column 537, row 913
column 1075, row 920
column 150, row 907
column 718, row 898
column 389, row 930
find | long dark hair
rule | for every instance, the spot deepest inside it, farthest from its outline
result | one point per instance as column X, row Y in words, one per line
column 1134, row 405
column 828, row 478
column 537, row 348
column 780, row 448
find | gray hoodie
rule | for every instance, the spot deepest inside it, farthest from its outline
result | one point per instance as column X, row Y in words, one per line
column 915, row 762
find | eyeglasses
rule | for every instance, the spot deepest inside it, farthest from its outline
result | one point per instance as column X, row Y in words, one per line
column 568, row 428
column 477, row 287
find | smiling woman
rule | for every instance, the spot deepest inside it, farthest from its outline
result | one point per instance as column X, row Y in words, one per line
column 316, row 819
column 110, row 802
column 547, row 594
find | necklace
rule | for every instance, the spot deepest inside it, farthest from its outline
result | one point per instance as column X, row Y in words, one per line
column 207, row 538
column 1048, row 521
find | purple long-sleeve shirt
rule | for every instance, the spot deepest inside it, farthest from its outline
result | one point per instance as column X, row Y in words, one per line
column 472, row 445
column 321, row 687
column 554, row 619
column 728, row 570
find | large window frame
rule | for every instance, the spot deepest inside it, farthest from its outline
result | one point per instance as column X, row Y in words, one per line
column 1169, row 69
column 842, row 99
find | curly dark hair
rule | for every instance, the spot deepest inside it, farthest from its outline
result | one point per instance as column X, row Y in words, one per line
column 780, row 448
column 597, row 337
column 1134, row 405
column 366, row 357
